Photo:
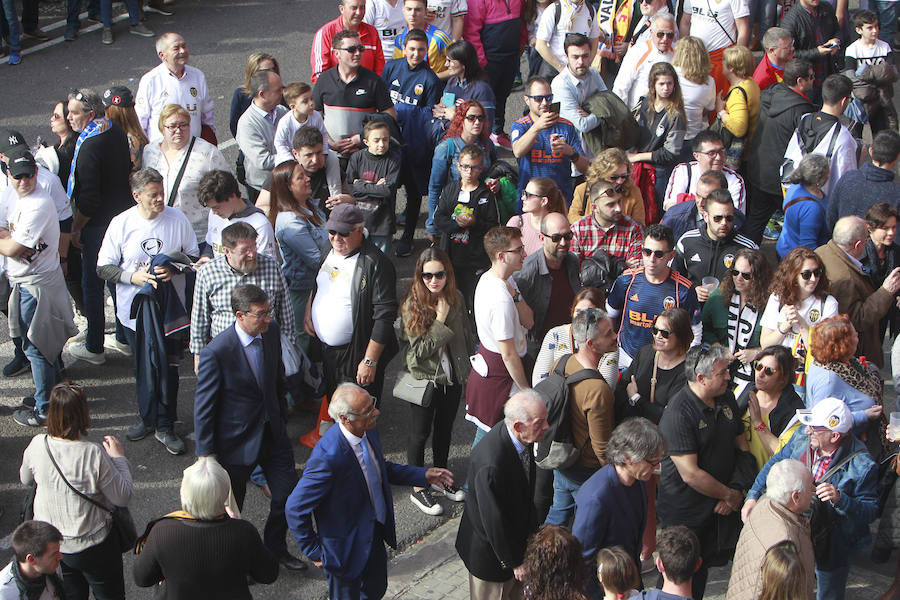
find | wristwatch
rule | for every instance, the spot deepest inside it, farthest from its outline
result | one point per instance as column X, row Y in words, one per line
column 517, row 296
column 369, row 362
column 574, row 156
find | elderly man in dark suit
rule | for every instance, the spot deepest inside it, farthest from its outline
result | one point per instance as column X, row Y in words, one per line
column 346, row 486
column 499, row 514
column 240, row 409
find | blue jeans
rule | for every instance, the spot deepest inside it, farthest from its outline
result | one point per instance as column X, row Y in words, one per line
column 887, row 19
column 134, row 15
column 92, row 287
column 479, row 433
column 832, row 584
column 12, row 21
column 44, row 373
column 565, row 485
column 763, row 12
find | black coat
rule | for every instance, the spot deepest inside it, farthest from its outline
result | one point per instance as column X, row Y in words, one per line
column 499, row 514
column 102, row 169
column 803, row 29
column 466, row 251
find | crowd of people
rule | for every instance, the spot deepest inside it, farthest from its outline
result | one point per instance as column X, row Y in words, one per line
column 642, row 378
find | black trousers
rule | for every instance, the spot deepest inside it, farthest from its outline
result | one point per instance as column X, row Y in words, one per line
column 441, row 414
column 502, row 72
column 761, row 206
column 337, row 370
column 97, row 569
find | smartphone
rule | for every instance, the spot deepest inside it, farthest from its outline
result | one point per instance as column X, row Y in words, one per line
column 448, row 99
column 554, row 108
column 835, row 45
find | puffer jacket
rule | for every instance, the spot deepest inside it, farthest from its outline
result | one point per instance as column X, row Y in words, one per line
column 769, row 524
column 455, row 335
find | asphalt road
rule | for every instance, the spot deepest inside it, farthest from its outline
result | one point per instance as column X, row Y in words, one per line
column 220, row 36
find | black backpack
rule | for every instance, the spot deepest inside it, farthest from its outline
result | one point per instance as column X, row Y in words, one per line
column 557, row 449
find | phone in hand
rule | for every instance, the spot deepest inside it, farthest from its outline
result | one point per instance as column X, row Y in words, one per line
column 554, row 108
column 834, row 45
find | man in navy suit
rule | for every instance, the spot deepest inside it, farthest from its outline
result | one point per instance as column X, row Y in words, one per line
column 347, row 487
column 240, row 410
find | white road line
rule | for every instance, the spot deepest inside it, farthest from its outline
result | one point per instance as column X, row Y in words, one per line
column 61, row 39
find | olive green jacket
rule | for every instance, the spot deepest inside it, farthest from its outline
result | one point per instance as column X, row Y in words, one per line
column 423, row 352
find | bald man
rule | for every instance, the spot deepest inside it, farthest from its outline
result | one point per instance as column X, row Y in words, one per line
column 853, row 289
column 549, row 278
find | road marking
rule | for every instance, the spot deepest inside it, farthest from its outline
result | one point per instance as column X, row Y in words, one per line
column 59, row 40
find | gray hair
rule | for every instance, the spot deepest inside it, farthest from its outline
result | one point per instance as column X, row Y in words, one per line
column 90, row 101
column 849, row 230
column 773, row 35
column 586, row 323
column 339, row 405
column 259, row 81
column 521, row 407
column 140, row 179
column 701, row 359
column 205, row 488
column 662, row 16
column 164, row 40
column 637, row 439
column 784, row 477
column 813, row 171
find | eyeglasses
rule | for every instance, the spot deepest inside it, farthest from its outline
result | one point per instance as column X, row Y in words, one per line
column 808, row 76
column 54, row 116
column 176, row 126
column 657, row 253
column 745, row 275
column 467, row 168
column 759, row 367
column 667, row 34
column 474, row 118
column 806, row 275
column 353, row 49
column 439, row 275
column 557, row 237
column 541, row 98
column 364, row 415
column 718, row 218
column 266, row 314
column 519, row 250
column 657, row 331
column 618, row 177
column 338, row 233
column 713, row 152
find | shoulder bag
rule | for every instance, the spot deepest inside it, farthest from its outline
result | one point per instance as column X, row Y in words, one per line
column 122, row 523
column 415, row 391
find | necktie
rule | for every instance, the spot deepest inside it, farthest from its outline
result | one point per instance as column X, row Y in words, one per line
column 374, row 484
column 527, row 458
column 255, row 353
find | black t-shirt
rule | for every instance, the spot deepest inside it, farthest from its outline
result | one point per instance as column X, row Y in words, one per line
column 345, row 104
column 692, row 427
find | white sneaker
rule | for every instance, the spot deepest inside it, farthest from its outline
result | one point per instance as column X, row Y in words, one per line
column 111, row 343
column 80, row 352
column 78, row 337
column 450, row 491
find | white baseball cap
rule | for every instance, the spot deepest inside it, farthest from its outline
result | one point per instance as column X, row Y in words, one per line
column 829, row 412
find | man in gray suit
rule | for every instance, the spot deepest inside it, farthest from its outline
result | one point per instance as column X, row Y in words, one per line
column 256, row 130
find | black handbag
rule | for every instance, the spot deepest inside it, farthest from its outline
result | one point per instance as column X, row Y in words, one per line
column 122, row 522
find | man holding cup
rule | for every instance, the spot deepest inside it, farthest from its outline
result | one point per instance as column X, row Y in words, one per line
column 706, row 255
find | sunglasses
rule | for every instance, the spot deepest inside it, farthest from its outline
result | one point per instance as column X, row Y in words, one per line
column 473, row 118
column 746, row 276
column 718, row 218
column 759, row 367
column 667, row 34
column 657, row 253
column 657, row 331
column 439, row 275
column 556, row 237
column 353, row 49
column 526, row 195
column 338, row 233
column 806, row 275
column 541, row 98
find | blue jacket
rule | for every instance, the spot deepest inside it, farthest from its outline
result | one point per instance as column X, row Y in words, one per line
column 856, row 481
column 299, row 242
column 443, row 170
column 857, row 190
column 804, row 222
column 333, row 489
column 682, row 217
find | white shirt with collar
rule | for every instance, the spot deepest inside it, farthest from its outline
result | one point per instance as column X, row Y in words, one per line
column 356, row 443
column 160, row 86
column 631, row 82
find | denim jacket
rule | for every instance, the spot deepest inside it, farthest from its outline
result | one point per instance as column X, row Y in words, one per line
column 300, row 241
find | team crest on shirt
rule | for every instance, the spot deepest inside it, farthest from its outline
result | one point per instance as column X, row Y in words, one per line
column 726, row 410
column 814, row 315
column 419, row 89
column 668, row 302
column 702, row 424
column 194, row 92
column 728, row 259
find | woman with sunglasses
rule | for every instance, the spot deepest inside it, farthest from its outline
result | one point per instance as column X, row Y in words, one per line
column 769, row 403
column 660, row 116
column 733, row 311
column 468, row 126
column 613, row 166
column 539, row 198
column 437, row 329
column 558, row 342
column 804, row 207
column 798, row 300
column 468, row 81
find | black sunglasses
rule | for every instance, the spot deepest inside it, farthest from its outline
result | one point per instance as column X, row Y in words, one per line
column 718, row 218
column 353, row 49
column 657, row 253
column 657, row 331
column 556, row 237
column 541, row 98
column 807, row 274
column 758, row 366
column 439, row 275
column 473, row 118
column 746, row 276
column 668, row 34
column 338, row 233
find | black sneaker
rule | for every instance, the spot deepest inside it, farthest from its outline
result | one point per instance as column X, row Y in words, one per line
column 29, row 402
column 18, row 365
column 173, row 443
column 29, row 417
column 424, row 500
column 404, row 248
column 449, row 491
column 138, row 431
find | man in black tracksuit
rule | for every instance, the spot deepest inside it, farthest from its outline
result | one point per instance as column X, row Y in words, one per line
column 709, row 250
column 782, row 105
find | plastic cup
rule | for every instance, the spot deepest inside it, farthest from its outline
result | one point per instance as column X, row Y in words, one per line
column 710, row 283
column 894, row 427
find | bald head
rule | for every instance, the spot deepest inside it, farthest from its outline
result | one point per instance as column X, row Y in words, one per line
column 851, row 233
column 556, row 237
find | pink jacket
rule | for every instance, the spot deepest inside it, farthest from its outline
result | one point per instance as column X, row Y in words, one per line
column 494, row 27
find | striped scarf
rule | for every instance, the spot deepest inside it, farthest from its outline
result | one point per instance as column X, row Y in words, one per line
column 95, row 127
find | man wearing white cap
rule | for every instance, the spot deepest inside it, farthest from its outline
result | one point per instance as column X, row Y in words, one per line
column 845, row 477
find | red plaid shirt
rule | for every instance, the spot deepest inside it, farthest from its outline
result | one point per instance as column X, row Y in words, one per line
column 820, row 463
column 623, row 240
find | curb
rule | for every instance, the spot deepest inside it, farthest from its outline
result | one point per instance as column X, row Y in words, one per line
column 421, row 559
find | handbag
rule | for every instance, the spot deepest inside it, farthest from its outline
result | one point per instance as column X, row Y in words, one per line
column 122, row 522
column 734, row 145
column 416, row 391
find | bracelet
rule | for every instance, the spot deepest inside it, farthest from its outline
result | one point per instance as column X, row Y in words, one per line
column 760, row 427
column 633, row 400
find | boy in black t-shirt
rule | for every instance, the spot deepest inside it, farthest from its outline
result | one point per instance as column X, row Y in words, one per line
column 373, row 174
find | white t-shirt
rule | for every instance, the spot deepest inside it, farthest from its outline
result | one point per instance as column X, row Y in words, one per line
column 265, row 235
column 496, row 317
column 705, row 13
column 288, row 126
column 48, row 184
column 578, row 20
column 131, row 242
column 697, row 97
column 389, row 22
column 444, row 11
column 33, row 222
column 332, row 310
column 868, row 56
column 159, row 87
column 812, row 310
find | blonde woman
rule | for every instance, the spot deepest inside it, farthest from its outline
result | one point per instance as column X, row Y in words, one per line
column 611, row 165
column 119, row 103
column 698, row 88
column 739, row 108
